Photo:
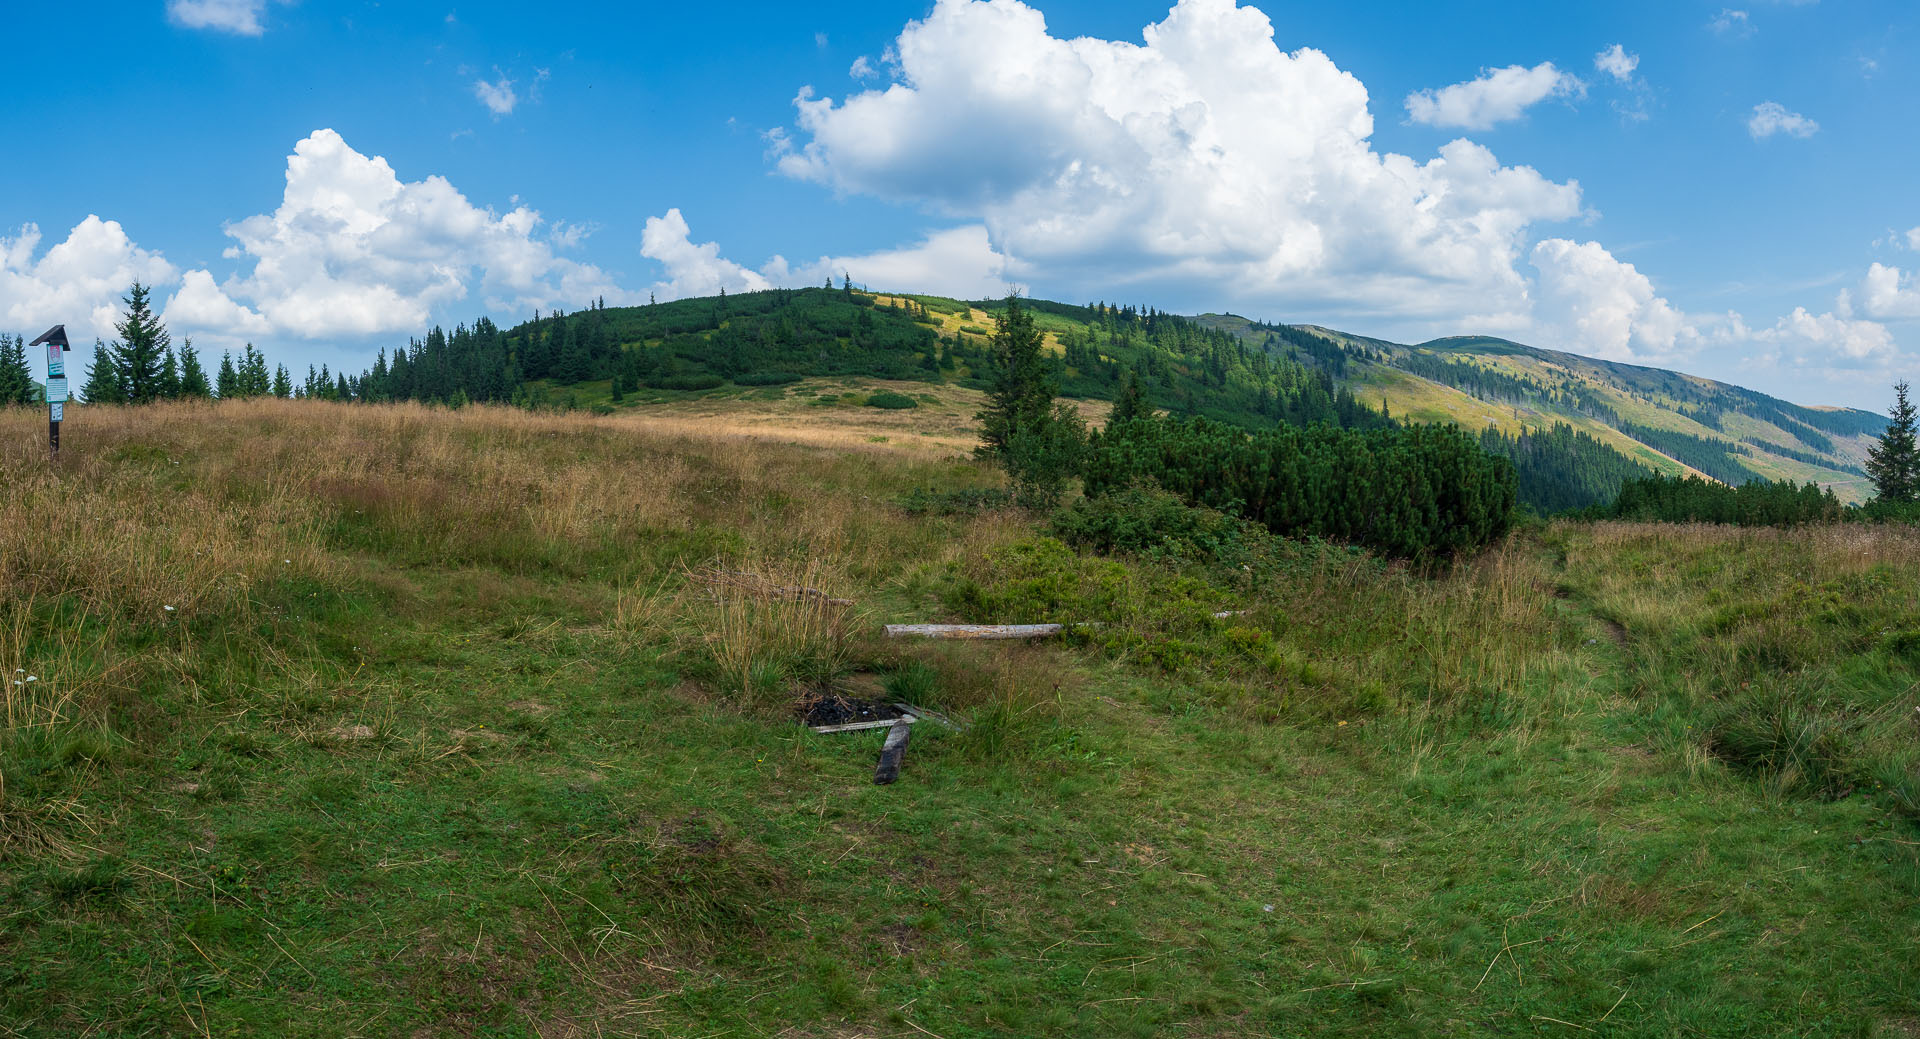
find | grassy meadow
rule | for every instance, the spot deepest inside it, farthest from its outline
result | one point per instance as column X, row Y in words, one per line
column 329, row 720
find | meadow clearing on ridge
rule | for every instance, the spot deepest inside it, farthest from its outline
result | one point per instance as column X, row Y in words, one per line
column 396, row 720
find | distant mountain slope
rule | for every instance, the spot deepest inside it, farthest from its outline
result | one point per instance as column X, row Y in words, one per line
column 1574, row 427
column 1669, row 421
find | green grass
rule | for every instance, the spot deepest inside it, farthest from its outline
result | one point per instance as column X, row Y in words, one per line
column 473, row 768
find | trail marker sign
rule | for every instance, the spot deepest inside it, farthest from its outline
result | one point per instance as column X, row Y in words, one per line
column 56, row 340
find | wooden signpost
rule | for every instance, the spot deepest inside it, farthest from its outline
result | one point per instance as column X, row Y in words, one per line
column 56, row 340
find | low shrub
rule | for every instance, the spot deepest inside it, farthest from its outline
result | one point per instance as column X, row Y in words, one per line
column 766, row 379
column 891, row 401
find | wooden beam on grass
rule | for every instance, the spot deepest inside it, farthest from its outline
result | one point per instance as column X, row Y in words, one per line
column 893, row 752
column 973, row 631
column 877, row 723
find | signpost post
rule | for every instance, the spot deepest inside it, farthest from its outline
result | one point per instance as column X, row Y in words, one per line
column 56, row 340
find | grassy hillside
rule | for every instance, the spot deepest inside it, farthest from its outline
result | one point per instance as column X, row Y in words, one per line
column 393, row 720
column 1667, row 421
column 1575, row 427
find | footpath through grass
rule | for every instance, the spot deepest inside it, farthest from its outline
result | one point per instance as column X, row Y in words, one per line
column 445, row 734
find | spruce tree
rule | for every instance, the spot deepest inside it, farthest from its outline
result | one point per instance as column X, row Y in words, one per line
column 168, row 387
column 255, row 381
column 103, row 385
column 1037, row 442
column 573, row 364
column 193, row 378
column 227, row 382
column 1133, row 402
column 1894, row 463
column 1019, row 392
column 283, row 382
column 139, row 356
column 16, row 376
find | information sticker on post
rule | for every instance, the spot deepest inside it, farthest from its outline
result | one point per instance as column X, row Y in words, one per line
column 56, row 341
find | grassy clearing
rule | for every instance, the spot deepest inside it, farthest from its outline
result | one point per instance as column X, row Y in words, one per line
column 472, row 723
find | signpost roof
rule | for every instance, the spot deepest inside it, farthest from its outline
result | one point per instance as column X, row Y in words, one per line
column 57, row 335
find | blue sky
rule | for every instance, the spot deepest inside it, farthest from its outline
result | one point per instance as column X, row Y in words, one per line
column 1723, row 189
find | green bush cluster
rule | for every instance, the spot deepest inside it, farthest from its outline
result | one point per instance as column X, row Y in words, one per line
column 891, row 401
column 1756, row 503
column 1412, row 492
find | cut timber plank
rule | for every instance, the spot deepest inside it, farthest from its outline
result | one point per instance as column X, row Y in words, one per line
column 878, row 723
column 893, row 752
column 921, row 714
column 973, row 631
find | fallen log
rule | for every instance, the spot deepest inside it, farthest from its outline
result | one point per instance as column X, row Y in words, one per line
column 893, row 752
column 877, row 723
column 973, row 631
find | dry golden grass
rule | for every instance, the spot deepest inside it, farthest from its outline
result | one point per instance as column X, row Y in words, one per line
column 942, row 427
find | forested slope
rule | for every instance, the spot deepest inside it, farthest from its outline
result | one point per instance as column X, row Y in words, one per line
column 1574, row 427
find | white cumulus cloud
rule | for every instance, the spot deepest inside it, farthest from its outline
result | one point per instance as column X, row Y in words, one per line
column 960, row 262
column 693, row 270
column 354, row 250
column 1890, row 292
column 241, row 17
column 1616, row 62
column 1499, row 95
column 498, row 95
column 78, row 282
column 1772, row 117
column 1594, row 304
column 1830, row 339
column 1207, row 160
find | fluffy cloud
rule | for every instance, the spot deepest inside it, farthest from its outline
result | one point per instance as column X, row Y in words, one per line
column 78, row 282
column 958, row 262
column 1206, row 160
column 1497, row 96
column 693, row 270
column 354, row 250
column 1616, row 62
column 1772, row 117
column 1598, row 305
column 1891, row 293
column 235, row 16
column 1830, row 340
column 1913, row 239
column 498, row 96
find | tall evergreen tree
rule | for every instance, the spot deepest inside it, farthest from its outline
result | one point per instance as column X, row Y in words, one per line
column 227, row 382
column 103, row 385
column 139, row 356
column 1038, row 442
column 1133, row 401
column 16, row 376
column 1894, row 463
column 193, row 378
column 574, row 365
column 255, row 381
column 283, row 382
column 168, row 387
column 1019, row 391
